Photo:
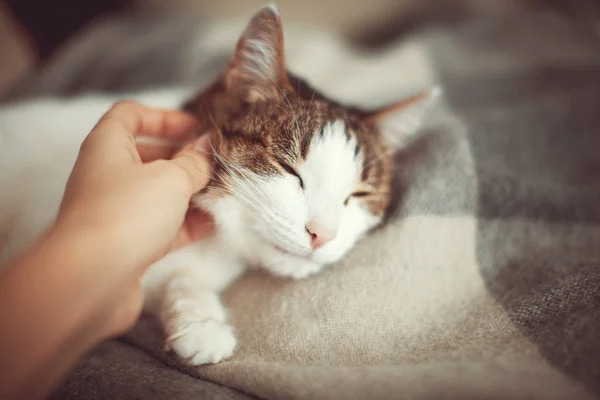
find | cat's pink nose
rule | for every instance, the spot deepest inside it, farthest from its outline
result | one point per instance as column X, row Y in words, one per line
column 320, row 234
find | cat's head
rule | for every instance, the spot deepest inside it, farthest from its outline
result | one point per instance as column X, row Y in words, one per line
column 297, row 176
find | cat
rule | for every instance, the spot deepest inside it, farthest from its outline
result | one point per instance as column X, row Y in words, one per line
column 298, row 179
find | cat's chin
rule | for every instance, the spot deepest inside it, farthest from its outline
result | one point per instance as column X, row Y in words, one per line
column 286, row 265
column 305, row 255
column 308, row 257
column 292, row 267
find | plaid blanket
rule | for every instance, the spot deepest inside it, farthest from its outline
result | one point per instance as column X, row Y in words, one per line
column 486, row 284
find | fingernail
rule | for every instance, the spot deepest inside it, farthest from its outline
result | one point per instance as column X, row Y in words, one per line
column 203, row 144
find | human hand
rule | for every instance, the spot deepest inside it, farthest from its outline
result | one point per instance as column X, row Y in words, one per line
column 128, row 205
column 124, row 207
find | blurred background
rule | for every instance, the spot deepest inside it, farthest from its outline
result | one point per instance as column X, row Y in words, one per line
column 31, row 31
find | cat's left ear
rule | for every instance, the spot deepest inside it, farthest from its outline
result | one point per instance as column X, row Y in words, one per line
column 257, row 71
column 400, row 121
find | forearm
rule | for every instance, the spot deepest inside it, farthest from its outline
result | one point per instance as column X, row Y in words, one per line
column 50, row 307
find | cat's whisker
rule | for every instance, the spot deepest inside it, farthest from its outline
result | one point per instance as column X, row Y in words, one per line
column 274, row 216
column 214, row 152
column 238, row 195
column 214, row 123
column 249, row 191
column 283, row 232
column 229, row 189
column 215, row 190
column 259, row 205
column 249, row 205
column 249, row 178
column 246, row 174
column 286, row 112
column 241, row 182
column 290, row 105
column 311, row 101
column 249, row 212
column 310, row 107
column 290, row 151
column 260, row 211
column 224, row 162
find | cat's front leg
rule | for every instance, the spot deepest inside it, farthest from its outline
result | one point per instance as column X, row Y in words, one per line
column 194, row 321
column 182, row 290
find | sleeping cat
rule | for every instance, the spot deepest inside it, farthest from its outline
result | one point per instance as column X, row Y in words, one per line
column 297, row 180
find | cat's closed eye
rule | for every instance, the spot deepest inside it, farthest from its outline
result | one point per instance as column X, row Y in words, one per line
column 356, row 194
column 290, row 170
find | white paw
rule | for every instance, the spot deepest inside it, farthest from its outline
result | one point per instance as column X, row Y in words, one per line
column 200, row 342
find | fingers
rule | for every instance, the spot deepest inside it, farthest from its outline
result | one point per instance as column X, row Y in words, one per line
column 133, row 118
column 152, row 152
column 116, row 131
column 195, row 163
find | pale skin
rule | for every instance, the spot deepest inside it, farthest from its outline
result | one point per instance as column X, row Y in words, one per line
column 124, row 207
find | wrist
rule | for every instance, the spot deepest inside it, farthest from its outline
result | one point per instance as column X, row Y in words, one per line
column 90, row 278
column 48, row 289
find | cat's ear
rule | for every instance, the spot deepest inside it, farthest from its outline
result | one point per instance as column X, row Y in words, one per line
column 398, row 122
column 257, row 71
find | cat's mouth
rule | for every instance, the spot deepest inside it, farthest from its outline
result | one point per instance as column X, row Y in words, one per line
column 305, row 255
column 290, row 252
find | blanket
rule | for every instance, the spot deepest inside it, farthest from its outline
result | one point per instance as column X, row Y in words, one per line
column 486, row 282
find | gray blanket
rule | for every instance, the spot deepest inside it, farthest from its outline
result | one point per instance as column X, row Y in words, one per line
column 485, row 285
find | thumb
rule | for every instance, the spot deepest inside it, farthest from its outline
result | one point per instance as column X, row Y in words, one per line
column 194, row 160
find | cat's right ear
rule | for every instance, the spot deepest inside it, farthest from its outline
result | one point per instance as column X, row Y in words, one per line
column 257, row 71
column 399, row 122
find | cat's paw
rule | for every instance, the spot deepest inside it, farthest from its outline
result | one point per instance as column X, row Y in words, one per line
column 201, row 342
